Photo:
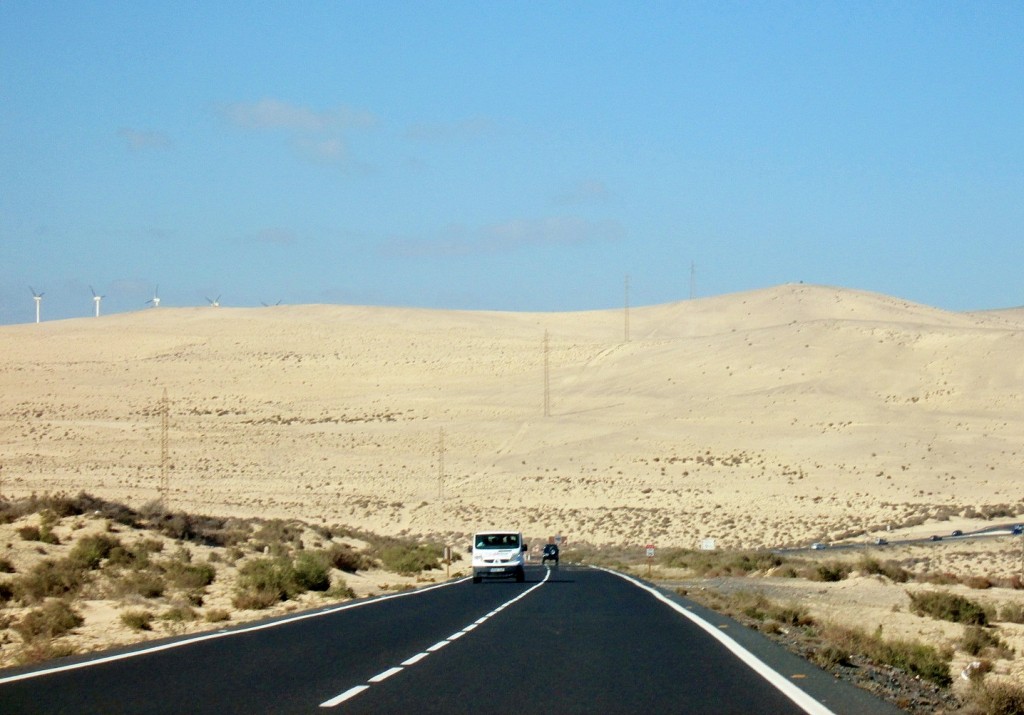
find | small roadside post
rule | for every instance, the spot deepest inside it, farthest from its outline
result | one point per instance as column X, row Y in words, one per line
column 447, row 561
column 650, row 558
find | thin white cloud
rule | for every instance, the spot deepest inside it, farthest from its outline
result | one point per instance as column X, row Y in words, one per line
column 275, row 236
column 465, row 129
column 589, row 191
column 275, row 114
column 332, row 150
column 459, row 240
column 138, row 140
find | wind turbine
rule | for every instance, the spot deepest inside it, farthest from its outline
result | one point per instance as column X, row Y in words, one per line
column 155, row 300
column 214, row 303
column 96, row 299
column 38, row 298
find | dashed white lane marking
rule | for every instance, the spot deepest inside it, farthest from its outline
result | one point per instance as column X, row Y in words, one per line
column 352, row 692
column 381, row 677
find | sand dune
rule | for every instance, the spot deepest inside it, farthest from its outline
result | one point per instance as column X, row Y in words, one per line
column 784, row 415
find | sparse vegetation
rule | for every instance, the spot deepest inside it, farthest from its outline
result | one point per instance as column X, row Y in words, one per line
column 138, row 619
column 916, row 658
column 948, row 607
column 53, row 619
column 410, row 558
column 983, row 641
column 995, row 698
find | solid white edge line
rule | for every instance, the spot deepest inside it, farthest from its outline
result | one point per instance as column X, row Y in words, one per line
column 339, row 699
column 222, row 634
column 381, row 677
column 798, row 696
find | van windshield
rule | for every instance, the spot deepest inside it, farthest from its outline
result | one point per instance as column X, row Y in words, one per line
column 497, row 541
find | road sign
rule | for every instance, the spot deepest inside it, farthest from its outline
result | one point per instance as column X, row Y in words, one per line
column 650, row 551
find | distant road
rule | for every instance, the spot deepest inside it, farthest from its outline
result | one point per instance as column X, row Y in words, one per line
column 937, row 538
column 572, row 640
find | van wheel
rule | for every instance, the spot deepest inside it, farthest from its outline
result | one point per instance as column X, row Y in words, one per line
column 477, row 579
column 520, row 575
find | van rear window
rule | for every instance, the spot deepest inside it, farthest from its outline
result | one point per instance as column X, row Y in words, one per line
column 497, row 541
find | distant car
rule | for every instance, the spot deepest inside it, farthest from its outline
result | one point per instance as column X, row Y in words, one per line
column 550, row 554
column 957, row 532
column 1018, row 529
column 817, row 546
column 936, row 537
column 881, row 542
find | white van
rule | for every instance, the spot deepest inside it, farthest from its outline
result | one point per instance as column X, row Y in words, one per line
column 499, row 554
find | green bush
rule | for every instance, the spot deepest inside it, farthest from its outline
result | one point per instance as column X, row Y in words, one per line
column 190, row 576
column 54, row 618
column 890, row 569
column 90, row 550
column 948, row 607
column 264, row 582
column 977, row 640
column 312, row 571
column 49, row 578
column 409, row 559
column 144, row 583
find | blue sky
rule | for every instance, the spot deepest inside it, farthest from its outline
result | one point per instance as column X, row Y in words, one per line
column 507, row 156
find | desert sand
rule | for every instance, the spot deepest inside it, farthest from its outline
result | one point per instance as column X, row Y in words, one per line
column 774, row 417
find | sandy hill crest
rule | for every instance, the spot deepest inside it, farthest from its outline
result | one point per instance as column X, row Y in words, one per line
column 767, row 417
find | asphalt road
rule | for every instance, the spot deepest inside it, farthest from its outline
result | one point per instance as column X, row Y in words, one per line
column 569, row 640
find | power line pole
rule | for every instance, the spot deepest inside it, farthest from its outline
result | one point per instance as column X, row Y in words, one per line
column 693, row 278
column 547, row 378
column 164, row 459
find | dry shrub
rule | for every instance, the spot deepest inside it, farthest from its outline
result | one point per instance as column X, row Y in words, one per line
column 889, row 568
column 1012, row 612
column 978, row 582
column 138, row 619
column 977, row 640
column 89, row 551
column 995, row 698
column 217, row 615
column 948, row 607
column 49, row 578
column 53, row 619
column 144, row 583
column 344, row 558
column 916, row 658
